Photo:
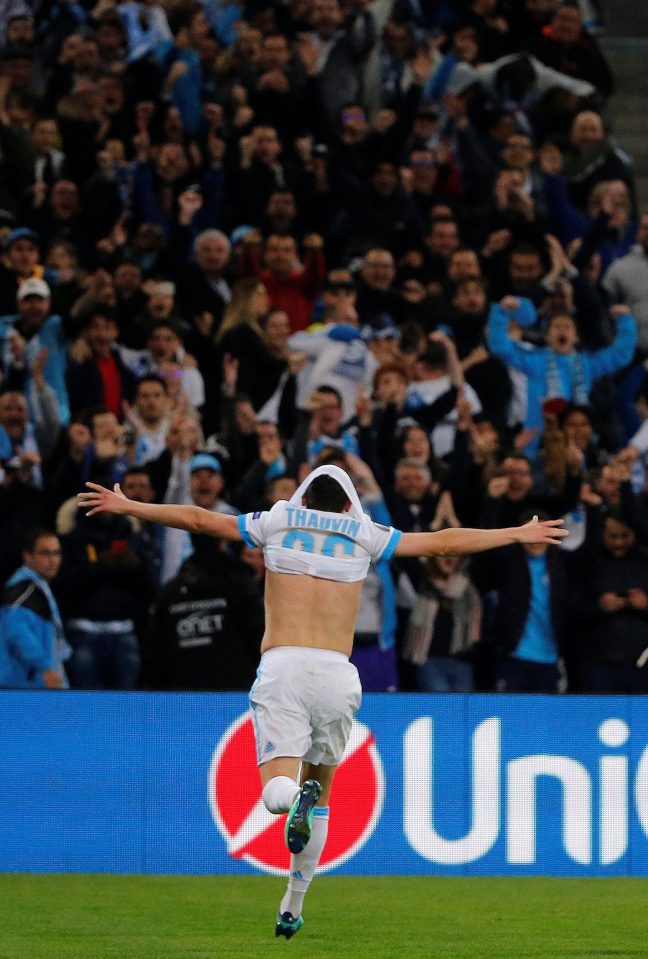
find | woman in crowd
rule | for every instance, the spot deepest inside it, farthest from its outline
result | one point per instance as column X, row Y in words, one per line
column 242, row 336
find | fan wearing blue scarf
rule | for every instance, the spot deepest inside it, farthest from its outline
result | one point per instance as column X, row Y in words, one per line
column 558, row 369
column 32, row 643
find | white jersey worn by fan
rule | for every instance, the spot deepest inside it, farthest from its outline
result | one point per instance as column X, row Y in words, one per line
column 304, row 699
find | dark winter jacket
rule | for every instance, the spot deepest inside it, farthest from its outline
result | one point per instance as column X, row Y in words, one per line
column 508, row 571
column 615, row 638
column 205, row 631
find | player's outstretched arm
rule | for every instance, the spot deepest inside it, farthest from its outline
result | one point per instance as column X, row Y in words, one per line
column 191, row 518
column 457, row 542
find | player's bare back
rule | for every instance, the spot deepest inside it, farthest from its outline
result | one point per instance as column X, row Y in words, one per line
column 308, row 611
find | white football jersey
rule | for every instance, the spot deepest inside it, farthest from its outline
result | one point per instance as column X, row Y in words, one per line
column 337, row 546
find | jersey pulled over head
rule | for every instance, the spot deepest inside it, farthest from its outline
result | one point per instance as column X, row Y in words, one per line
column 336, row 543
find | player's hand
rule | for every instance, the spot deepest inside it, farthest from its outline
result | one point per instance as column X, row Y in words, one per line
column 102, row 500
column 546, row 532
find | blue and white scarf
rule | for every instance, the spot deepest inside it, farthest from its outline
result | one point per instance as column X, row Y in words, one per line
column 579, row 391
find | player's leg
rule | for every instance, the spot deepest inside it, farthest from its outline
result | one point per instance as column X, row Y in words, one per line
column 332, row 695
column 300, row 818
column 335, row 699
column 303, row 865
column 280, row 781
column 281, row 727
column 321, row 774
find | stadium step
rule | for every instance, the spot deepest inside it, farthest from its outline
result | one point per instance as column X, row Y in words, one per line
column 642, row 192
column 626, row 18
column 626, row 47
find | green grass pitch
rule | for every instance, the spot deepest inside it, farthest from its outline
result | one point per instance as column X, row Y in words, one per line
column 163, row 917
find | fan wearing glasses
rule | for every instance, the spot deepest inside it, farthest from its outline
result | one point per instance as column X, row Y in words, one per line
column 32, row 644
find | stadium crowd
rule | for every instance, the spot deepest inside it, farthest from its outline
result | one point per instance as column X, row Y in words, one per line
column 241, row 238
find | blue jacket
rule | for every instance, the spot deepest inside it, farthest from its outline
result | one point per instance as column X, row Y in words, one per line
column 146, row 201
column 28, row 637
column 51, row 336
column 186, row 90
column 568, row 223
column 534, row 362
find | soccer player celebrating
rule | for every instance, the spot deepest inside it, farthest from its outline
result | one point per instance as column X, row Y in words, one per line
column 318, row 547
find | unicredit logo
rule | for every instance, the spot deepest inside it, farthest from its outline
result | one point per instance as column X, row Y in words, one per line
column 595, row 808
column 256, row 836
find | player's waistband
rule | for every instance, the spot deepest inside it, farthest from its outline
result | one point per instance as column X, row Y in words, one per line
column 304, row 652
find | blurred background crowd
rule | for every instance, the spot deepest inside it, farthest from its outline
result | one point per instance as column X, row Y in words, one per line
column 242, row 238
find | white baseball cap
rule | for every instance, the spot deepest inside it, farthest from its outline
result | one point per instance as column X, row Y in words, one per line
column 33, row 287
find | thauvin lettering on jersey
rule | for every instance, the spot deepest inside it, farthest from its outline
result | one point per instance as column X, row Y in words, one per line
column 306, row 519
column 329, row 545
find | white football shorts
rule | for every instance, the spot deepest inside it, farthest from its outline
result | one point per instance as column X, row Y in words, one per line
column 303, row 702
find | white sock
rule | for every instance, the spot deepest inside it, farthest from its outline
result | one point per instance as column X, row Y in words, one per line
column 303, row 865
column 280, row 793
